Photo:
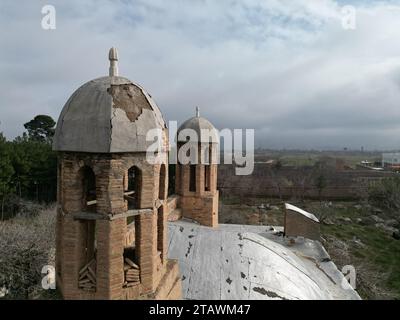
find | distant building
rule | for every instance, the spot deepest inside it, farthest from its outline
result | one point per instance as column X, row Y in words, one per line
column 391, row 160
column 366, row 163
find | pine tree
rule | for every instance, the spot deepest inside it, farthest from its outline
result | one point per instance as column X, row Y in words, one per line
column 6, row 172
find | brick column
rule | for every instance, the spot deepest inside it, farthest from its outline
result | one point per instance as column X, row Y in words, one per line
column 110, row 266
column 71, row 257
column 162, row 226
column 200, row 183
column 146, row 242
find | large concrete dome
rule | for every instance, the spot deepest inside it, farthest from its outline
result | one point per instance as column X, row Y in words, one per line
column 199, row 124
column 108, row 115
column 242, row 262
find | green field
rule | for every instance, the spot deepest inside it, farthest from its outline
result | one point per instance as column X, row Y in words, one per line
column 310, row 158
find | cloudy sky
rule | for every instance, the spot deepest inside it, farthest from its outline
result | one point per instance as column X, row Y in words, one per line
column 287, row 69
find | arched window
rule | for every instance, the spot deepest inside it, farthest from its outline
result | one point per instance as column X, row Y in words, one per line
column 207, row 169
column 134, row 183
column 172, row 178
column 88, row 189
column 160, row 218
column 88, row 230
column 160, row 231
column 161, row 184
column 132, row 195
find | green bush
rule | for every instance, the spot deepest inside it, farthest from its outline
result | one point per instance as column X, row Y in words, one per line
column 385, row 194
column 26, row 245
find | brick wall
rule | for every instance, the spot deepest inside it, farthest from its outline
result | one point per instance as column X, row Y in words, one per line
column 297, row 224
column 201, row 209
column 109, row 230
column 200, row 205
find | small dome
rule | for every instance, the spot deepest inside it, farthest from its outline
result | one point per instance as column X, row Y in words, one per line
column 199, row 125
column 106, row 115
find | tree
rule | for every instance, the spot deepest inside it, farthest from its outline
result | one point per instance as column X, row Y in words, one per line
column 385, row 193
column 278, row 164
column 35, row 169
column 6, row 172
column 321, row 184
column 28, row 166
column 41, row 128
column 21, row 162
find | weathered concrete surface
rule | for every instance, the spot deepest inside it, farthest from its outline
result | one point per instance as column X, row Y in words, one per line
column 108, row 114
column 251, row 262
column 204, row 129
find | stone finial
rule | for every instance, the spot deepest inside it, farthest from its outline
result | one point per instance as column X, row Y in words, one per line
column 113, row 57
column 197, row 112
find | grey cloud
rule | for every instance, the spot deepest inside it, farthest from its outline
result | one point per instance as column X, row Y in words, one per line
column 285, row 68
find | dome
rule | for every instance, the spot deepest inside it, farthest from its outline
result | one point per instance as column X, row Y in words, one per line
column 241, row 262
column 108, row 115
column 199, row 125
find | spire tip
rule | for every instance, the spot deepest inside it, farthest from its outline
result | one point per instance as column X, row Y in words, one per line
column 113, row 57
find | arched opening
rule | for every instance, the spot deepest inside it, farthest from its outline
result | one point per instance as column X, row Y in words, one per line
column 161, row 184
column 160, row 211
column 207, row 169
column 88, row 189
column 160, row 232
column 132, row 194
column 172, row 178
column 89, row 240
column 132, row 188
column 87, row 273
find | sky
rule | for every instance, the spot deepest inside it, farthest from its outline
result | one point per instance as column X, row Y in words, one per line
column 288, row 69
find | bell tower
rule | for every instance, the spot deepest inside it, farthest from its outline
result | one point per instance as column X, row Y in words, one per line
column 112, row 216
column 196, row 179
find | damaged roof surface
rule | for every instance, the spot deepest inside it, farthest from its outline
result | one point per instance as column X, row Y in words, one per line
column 108, row 114
column 204, row 129
column 252, row 262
